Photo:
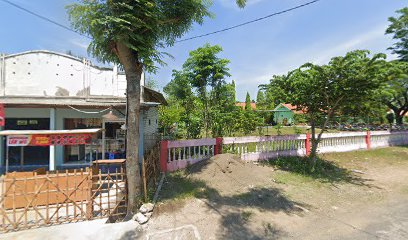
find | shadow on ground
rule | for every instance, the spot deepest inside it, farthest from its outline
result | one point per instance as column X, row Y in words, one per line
column 324, row 171
column 234, row 221
column 234, row 227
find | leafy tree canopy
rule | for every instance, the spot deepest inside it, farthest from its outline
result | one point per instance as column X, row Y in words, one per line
column 324, row 91
column 394, row 91
column 144, row 26
column 399, row 29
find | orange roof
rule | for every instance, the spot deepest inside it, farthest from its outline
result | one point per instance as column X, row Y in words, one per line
column 293, row 108
column 242, row 105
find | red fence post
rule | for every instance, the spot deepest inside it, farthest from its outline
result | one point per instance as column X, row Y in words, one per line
column 307, row 144
column 218, row 146
column 368, row 139
column 163, row 155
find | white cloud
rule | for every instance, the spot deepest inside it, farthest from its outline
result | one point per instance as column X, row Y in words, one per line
column 319, row 53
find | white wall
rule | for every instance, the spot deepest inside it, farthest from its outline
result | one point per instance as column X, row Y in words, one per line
column 44, row 73
column 152, row 115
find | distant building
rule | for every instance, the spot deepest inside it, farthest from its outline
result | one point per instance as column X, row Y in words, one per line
column 243, row 104
column 284, row 114
column 42, row 90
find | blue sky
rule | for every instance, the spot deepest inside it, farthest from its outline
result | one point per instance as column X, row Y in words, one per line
column 257, row 51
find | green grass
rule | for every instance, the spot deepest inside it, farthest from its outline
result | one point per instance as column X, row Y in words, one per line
column 179, row 185
column 325, row 171
column 246, row 215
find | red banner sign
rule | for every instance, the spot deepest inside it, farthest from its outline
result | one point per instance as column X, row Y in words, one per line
column 40, row 140
column 2, row 116
column 47, row 140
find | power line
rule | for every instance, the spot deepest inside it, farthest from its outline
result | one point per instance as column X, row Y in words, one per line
column 182, row 40
column 249, row 22
column 43, row 18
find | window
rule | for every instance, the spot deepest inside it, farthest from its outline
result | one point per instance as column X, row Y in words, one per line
column 78, row 152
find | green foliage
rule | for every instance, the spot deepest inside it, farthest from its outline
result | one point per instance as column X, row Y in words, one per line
column 394, row 91
column 203, row 91
column 278, row 128
column 169, row 116
column 260, row 100
column 296, row 130
column 250, row 121
column 399, row 29
column 248, row 102
column 323, row 92
column 300, row 118
column 324, row 170
column 204, row 69
column 143, row 26
column 273, row 95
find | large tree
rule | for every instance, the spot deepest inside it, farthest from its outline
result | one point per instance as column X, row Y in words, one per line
column 394, row 92
column 130, row 33
column 206, row 69
column 399, row 29
column 323, row 92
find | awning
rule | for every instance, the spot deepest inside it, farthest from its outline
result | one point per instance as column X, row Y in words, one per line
column 21, row 138
column 49, row 132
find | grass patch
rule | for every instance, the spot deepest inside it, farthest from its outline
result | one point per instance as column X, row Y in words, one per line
column 179, row 185
column 246, row 215
column 325, row 171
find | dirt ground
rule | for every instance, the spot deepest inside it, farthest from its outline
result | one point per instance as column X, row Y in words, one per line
column 225, row 198
column 364, row 196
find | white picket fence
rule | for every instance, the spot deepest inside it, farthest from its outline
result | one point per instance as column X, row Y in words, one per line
column 179, row 154
column 182, row 153
column 263, row 148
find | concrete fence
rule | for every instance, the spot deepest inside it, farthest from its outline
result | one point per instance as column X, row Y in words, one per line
column 179, row 154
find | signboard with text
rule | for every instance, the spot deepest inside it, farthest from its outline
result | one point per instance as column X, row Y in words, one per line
column 47, row 140
column 18, row 140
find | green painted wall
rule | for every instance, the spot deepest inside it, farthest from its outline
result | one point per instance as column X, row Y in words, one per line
column 283, row 116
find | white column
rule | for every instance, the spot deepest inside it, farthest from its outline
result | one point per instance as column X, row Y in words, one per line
column 52, row 148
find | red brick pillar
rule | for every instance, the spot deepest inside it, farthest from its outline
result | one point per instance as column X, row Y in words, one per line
column 307, row 144
column 368, row 140
column 218, row 146
column 163, row 155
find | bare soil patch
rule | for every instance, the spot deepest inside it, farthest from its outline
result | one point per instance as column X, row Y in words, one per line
column 226, row 198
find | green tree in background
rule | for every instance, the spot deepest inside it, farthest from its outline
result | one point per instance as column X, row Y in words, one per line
column 206, row 70
column 399, row 29
column 130, row 33
column 394, row 92
column 248, row 102
column 273, row 95
column 260, row 100
column 323, row 92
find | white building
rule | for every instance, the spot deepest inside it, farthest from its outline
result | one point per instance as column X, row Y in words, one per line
column 44, row 90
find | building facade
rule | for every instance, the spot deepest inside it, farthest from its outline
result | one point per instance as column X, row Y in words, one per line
column 43, row 90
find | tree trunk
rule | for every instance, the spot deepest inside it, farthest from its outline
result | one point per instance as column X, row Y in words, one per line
column 316, row 141
column 313, row 150
column 399, row 119
column 133, row 70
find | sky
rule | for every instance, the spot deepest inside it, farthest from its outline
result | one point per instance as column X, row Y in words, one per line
column 274, row 46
